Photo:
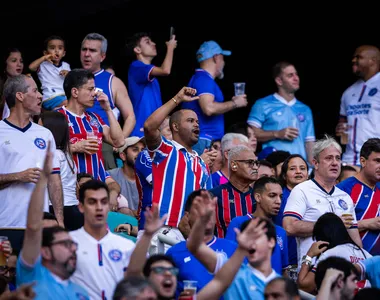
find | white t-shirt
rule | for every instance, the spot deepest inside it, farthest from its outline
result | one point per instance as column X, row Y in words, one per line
column 51, row 81
column 360, row 103
column 69, row 179
column 21, row 149
column 100, row 264
column 6, row 111
column 349, row 252
column 308, row 201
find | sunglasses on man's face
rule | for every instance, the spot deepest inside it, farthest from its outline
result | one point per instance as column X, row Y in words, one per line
column 161, row 270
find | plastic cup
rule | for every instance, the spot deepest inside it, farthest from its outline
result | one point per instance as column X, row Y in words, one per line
column 239, row 88
column 190, row 286
column 93, row 138
column 3, row 258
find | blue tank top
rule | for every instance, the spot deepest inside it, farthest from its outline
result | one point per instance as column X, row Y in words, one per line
column 103, row 80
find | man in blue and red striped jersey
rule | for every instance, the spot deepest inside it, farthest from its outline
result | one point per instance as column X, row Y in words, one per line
column 364, row 189
column 177, row 170
column 235, row 198
column 79, row 86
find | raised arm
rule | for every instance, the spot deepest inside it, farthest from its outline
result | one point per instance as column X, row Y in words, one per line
column 224, row 277
column 166, row 67
column 138, row 257
column 152, row 124
column 33, row 233
column 124, row 104
column 36, row 64
column 205, row 207
column 112, row 134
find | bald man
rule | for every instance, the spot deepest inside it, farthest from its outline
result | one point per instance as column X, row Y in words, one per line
column 360, row 104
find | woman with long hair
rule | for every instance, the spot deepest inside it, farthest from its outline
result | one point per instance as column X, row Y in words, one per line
column 331, row 239
column 294, row 170
column 57, row 124
column 12, row 64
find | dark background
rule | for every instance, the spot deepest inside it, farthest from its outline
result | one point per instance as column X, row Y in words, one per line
column 318, row 40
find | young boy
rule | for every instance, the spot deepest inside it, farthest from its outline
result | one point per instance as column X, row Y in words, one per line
column 51, row 72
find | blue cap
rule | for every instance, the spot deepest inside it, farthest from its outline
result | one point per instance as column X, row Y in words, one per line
column 265, row 152
column 209, row 49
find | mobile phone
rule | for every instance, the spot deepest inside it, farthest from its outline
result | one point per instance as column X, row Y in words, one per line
column 171, row 32
column 98, row 90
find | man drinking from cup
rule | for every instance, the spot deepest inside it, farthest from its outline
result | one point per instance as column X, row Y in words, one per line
column 211, row 106
column 87, row 129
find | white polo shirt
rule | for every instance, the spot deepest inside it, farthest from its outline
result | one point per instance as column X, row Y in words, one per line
column 21, row 149
column 360, row 103
column 308, row 201
column 100, row 264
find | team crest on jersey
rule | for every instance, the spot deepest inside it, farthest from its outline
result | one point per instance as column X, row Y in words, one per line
column 342, row 204
column 280, row 242
column 301, row 117
column 94, row 122
column 372, row 92
column 81, row 296
column 145, row 159
column 40, row 143
column 115, row 255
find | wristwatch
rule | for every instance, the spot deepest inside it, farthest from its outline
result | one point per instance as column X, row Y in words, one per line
column 307, row 260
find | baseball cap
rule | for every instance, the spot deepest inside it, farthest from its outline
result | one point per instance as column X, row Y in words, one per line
column 209, row 49
column 130, row 141
column 265, row 152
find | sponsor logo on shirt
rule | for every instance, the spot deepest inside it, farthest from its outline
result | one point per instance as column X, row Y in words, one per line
column 40, row 143
column 115, row 255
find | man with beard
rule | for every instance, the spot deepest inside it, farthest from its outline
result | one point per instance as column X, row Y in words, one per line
column 177, row 170
column 102, row 255
column 282, row 121
column 126, row 176
column 48, row 255
column 360, row 104
column 211, row 107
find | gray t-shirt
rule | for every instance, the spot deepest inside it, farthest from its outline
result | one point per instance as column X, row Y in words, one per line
column 128, row 188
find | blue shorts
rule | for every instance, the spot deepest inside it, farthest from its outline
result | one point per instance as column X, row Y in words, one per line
column 52, row 103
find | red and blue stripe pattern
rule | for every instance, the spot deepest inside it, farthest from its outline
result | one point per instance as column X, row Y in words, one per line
column 79, row 126
column 231, row 204
column 56, row 171
column 367, row 203
column 176, row 173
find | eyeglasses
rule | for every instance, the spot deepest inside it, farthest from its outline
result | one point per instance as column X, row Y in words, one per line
column 66, row 243
column 160, row 270
column 249, row 162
